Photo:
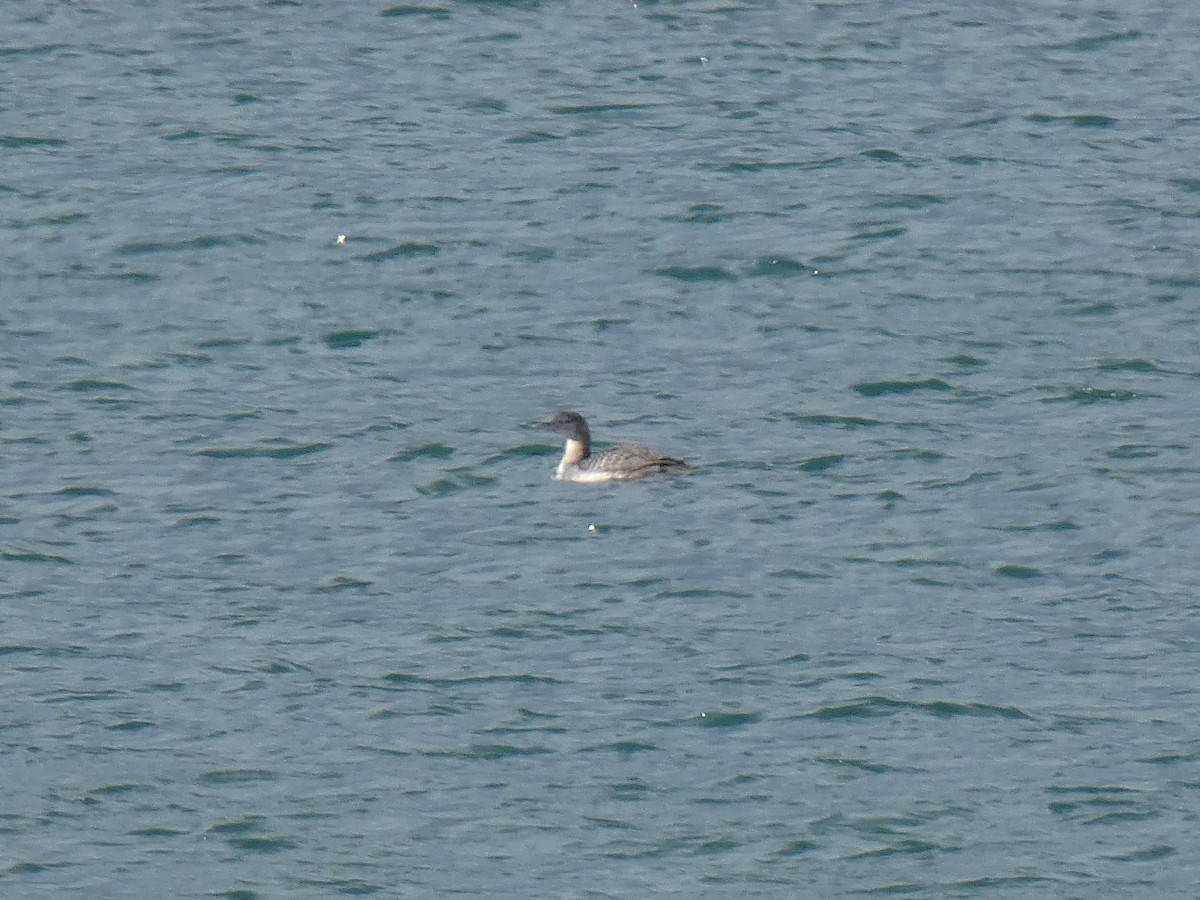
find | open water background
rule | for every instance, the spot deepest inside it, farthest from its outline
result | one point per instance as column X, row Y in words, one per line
column 290, row 605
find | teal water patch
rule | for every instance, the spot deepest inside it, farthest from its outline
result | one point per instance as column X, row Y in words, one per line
column 909, row 201
column 534, row 137
column 495, row 752
column 919, row 454
column 777, row 267
column 118, row 789
column 404, row 11
column 198, row 521
column 236, row 776
column 132, row 725
column 440, row 487
column 251, row 835
column 30, row 867
column 401, row 251
column 822, row 463
column 1134, row 451
column 1099, row 805
column 97, row 386
column 1087, row 309
column 855, row 764
column 874, row 233
column 29, row 142
column 1082, row 120
column 599, row 109
column 350, row 887
column 876, row 707
column 696, row 273
column 342, row 584
column 1055, row 525
column 223, row 343
column 435, row 451
column 32, row 556
column 831, row 419
column 1085, row 396
column 510, row 455
column 795, row 848
column 19, row 649
column 704, row 214
column 728, row 719
column 624, row 748
column 405, row 679
column 903, row 846
column 1139, row 366
column 84, row 491
column 190, row 244
column 699, row 593
column 269, row 450
column 158, row 832
column 348, row 340
column 883, row 155
column 885, row 388
column 799, row 575
column 967, row 361
column 779, row 165
column 909, row 562
column 1150, row 854
column 1101, row 41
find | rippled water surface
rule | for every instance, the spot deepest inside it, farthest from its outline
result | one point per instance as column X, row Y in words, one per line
column 291, row 605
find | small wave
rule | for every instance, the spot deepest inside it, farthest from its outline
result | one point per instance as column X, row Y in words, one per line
column 1084, row 396
column 405, row 679
column 490, row 752
column 1082, row 120
column 594, row 109
column 1141, row 366
column 430, row 12
column 1023, row 572
column 624, row 748
column 696, row 273
column 401, row 251
column 22, row 142
column 533, row 137
column 341, row 584
column 728, row 719
column 909, row 201
column 200, row 242
column 877, row 707
column 425, row 451
column 236, row 776
column 346, row 340
column 883, row 388
column 822, row 463
column 96, row 386
column 878, row 234
column 778, row 267
column 828, row 419
column 30, row 556
column 701, row 594
column 287, row 451
column 84, row 491
column 880, row 154
column 738, row 166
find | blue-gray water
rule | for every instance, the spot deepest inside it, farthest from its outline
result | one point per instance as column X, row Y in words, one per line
column 290, row 605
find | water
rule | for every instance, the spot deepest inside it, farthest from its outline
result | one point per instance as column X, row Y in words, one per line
column 291, row 606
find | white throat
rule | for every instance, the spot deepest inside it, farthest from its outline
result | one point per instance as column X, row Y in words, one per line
column 572, row 454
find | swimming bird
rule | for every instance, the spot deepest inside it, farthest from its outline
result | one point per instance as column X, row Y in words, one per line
column 627, row 462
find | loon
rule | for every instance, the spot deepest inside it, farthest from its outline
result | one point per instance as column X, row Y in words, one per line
column 628, row 462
